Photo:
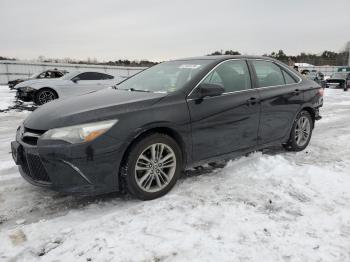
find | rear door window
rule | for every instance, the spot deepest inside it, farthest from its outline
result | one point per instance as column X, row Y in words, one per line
column 268, row 73
column 288, row 78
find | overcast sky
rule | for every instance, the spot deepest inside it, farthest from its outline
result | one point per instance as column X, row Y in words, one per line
column 161, row 30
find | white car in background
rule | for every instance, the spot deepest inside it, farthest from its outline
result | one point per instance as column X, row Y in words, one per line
column 72, row 84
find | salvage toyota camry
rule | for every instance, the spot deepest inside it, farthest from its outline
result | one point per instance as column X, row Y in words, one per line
column 141, row 135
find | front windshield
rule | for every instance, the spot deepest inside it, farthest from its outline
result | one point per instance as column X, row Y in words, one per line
column 69, row 76
column 165, row 77
column 34, row 75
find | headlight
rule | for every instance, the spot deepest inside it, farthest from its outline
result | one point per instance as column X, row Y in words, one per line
column 79, row 133
column 27, row 89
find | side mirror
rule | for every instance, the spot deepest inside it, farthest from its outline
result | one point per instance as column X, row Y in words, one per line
column 210, row 90
column 75, row 80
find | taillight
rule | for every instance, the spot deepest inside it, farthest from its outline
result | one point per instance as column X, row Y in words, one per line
column 321, row 91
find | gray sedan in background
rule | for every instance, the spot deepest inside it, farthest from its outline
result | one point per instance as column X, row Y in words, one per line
column 75, row 83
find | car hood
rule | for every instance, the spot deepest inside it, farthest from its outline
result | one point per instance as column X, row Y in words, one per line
column 96, row 106
column 19, row 80
column 38, row 82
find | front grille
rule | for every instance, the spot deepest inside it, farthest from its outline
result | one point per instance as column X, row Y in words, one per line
column 34, row 168
column 25, row 165
column 31, row 140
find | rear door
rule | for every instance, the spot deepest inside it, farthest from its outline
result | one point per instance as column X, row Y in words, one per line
column 228, row 122
column 281, row 98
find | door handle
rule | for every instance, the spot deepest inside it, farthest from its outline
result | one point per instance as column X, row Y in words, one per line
column 296, row 92
column 252, row 101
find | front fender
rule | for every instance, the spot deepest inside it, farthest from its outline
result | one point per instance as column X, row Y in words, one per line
column 182, row 135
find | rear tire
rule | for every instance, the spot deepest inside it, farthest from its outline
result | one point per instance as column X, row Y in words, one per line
column 301, row 132
column 44, row 96
column 152, row 166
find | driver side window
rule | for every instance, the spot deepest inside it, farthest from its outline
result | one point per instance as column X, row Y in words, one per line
column 231, row 75
column 86, row 76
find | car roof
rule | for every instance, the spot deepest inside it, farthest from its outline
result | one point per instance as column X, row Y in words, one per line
column 224, row 57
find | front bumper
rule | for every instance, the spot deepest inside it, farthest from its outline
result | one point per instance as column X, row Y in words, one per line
column 25, row 96
column 69, row 168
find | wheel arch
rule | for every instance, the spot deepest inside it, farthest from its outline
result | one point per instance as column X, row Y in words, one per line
column 312, row 113
column 47, row 88
column 144, row 133
column 307, row 108
column 162, row 130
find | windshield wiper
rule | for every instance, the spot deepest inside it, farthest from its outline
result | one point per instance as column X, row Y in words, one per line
column 132, row 89
column 138, row 90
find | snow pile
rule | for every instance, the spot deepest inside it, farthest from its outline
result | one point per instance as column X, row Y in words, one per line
column 277, row 206
column 7, row 97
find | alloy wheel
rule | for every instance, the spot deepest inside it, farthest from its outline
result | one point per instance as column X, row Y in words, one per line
column 302, row 131
column 155, row 167
column 46, row 96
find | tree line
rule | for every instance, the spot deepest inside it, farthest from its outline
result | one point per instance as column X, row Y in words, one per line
column 325, row 58
column 91, row 61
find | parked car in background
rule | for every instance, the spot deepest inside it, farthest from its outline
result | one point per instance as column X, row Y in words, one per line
column 339, row 79
column 72, row 84
column 316, row 76
column 174, row 115
column 54, row 73
column 344, row 69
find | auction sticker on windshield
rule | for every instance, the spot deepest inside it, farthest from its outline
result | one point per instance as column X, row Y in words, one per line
column 189, row 66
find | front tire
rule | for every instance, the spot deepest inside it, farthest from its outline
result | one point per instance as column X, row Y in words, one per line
column 44, row 96
column 301, row 132
column 152, row 167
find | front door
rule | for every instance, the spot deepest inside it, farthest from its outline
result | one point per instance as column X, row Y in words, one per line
column 228, row 122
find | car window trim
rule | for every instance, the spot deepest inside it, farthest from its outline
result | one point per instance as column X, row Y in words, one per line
column 253, row 81
column 232, row 59
column 223, row 94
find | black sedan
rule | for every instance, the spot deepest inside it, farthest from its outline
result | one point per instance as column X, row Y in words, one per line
column 46, row 74
column 169, row 117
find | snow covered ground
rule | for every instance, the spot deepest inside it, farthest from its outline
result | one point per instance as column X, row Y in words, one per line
column 6, row 97
column 276, row 206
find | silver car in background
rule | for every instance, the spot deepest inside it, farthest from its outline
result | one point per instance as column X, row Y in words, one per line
column 75, row 83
